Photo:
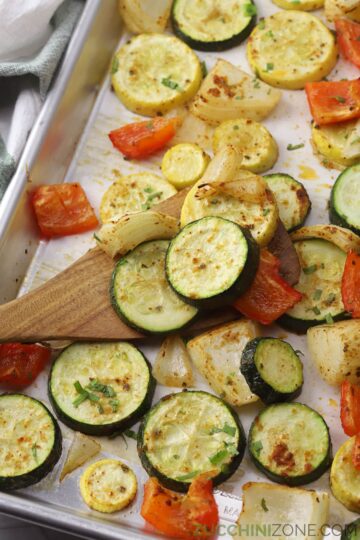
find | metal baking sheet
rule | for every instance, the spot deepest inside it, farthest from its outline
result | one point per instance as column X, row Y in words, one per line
column 95, row 164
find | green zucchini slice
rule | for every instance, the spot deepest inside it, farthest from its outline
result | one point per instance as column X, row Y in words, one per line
column 272, row 369
column 207, row 27
column 345, row 200
column 189, row 433
column 31, row 441
column 322, row 267
column 141, row 295
column 101, row 388
column 290, row 443
column 351, row 531
column 211, row 262
column 292, row 199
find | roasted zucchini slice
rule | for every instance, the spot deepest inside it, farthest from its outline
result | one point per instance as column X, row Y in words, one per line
column 101, row 388
column 108, row 486
column 272, row 369
column 292, row 199
column 184, row 164
column 351, row 531
column 338, row 144
column 189, row 433
column 284, row 50
column 31, row 441
column 253, row 140
column 154, row 73
column 345, row 479
column 134, row 193
column 208, row 28
column 322, row 267
column 290, row 443
column 211, row 262
column 301, row 5
column 345, row 200
column 141, row 295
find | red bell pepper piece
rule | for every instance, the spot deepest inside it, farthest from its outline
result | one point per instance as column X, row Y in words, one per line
column 350, row 408
column 141, row 139
column 332, row 102
column 20, row 364
column 269, row 296
column 350, row 285
column 348, row 37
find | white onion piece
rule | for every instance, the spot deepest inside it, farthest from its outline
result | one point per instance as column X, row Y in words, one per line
column 172, row 365
column 81, row 450
column 144, row 16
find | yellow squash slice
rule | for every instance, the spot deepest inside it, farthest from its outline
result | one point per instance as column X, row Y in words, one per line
column 134, row 193
column 253, row 140
column 345, row 479
column 290, row 49
column 154, row 73
column 301, row 5
column 339, row 143
column 108, row 485
column 184, row 164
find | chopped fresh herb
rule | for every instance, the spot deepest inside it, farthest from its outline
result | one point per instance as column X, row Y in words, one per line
column 330, row 299
column 79, row 388
column 97, row 238
column 34, row 451
column 236, row 127
column 122, row 261
column 250, row 10
column 187, row 476
column 270, row 34
column 114, row 403
column 148, row 189
column 295, row 146
column 317, row 294
column 256, row 83
column 100, row 408
column 204, row 69
column 93, row 397
column 261, row 24
column 329, row 318
column 340, row 99
column 176, row 456
column 166, row 81
column 229, row 430
column 114, row 65
column 269, row 66
column 316, row 310
column 131, row 434
column 257, row 447
column 220, row 456
column 310, row 269
column 263, row 505
column 80, row 399
column 266, row 211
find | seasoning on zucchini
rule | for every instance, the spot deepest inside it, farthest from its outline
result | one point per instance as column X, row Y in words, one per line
column 101, row 388
column 141, row 295
column 211, row 262
column 292, row 199
column 345, row 200
column 31, row 441
column 322, row 265
column 299, row 34
column 272, row 369
column 351, row 531
column 302, row 5
column 184, row 164
column 290, row 443
column 338, row 144
column 154, row 73
column 189, row 433
column 209, row 27
column 256, row 144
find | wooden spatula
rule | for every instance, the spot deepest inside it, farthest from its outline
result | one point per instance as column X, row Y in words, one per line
column 75, row 304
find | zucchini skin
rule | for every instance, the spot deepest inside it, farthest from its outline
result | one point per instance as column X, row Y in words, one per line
column 298, row 480
column 301, row 326
column 243, row 282
column 8, row 483
column 254, row 380
column 350, row 528
column 183, row 487
column 212, row 46
column 105, row 429
column 336, row 219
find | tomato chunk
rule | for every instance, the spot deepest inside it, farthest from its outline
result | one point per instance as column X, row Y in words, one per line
column 269, row 296
column 20, row 364
column 356, row 453
column 63, row 209
column 350, row 408
column 141, row 139
column 350, row 285
column 332, row 102
column 194, row 515
column 348, row 37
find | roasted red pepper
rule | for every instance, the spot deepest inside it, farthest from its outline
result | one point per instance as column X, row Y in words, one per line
column 356, row 453
column 269, row 296
column 20, row 364
column 350, row 286
column 194, row 515
column 142, row 139
column 332, row 102
column 350, row 408
column 63, row 209
column 348, row 37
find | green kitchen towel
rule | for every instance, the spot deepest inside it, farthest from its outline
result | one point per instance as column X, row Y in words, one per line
column 43, row 66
